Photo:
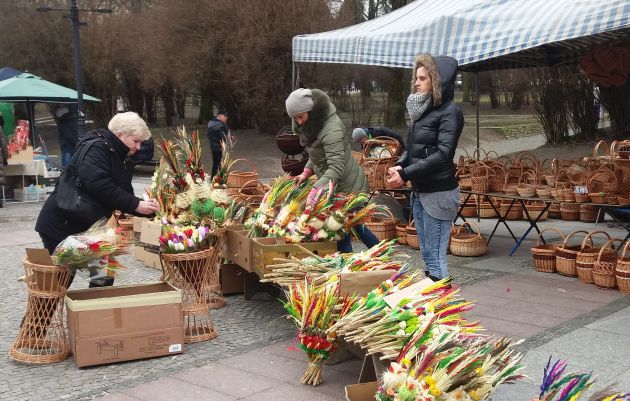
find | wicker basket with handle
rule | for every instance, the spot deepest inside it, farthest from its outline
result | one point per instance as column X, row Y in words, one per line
column 544, row 255
column 238, row 179
column 527, row 185
column 383, row 225
column 604, row 266
column 622, row 271
column 566, row 255
column 480, row 176
column 412, row 236
column 471, row 243
column 587, row 255
column 401, row 233
column 252, row 192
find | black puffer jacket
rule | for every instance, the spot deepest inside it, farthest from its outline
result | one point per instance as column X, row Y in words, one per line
column 217, row 133
column 432, row 139
column 105, row 175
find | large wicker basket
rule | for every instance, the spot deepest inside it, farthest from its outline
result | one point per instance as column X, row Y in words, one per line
column 587, row 256
column 480, row 175
column 237, row 178
column 515, row 211
column 566, row 255
column 468, row 243
column 544, row 255
column 288, row 142
column 412, row 236
column 252, row 193
column 570, row 211
column 604, row 267
column 588, row 213
column 622, row 272
column 383, row 225
column 535, row 208
column 401, row 233
column 294, row 165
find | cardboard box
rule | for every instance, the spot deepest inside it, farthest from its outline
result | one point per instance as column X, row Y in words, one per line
column 237, row 247
column 266, row 250
column 232, row 278
column 123, row 323
column 361, row 392
column 150, row 232
column 360, row 283
column 24, row 155
column 148, row 258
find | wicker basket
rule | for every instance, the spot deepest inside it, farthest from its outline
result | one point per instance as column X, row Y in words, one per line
column 412, row 236
column 568, row 195
column 544, row 255
column 597, row 197
column 294, row 165
column 604, row 266
column 566, row 255
column 469, row 209
column 602, row 180
column 497, row 177
column 515, row 213
column 383, row 225
column 401, row 233
column 587, row 256
column 237, row 179
column 543, row 191
column 554, row 211
column 486, row 210
column 534, row 208
column 480, row 175
column 468, row 243
column 588, row 213
column 622, row 272
column 288, row 142
column 582, row 198
column 252, row 193
column 570, row 211
column 465, row 181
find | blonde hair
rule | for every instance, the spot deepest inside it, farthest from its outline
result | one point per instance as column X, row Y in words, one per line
column 129, row 124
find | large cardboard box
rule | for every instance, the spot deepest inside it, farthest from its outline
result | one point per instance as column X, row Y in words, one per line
column 361, row 392
column 123, row 323
column 361, row 283
column 150, row 232
column 147, row 257
column 232, row 278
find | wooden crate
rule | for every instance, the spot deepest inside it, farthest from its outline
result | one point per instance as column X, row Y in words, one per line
column 266, row 250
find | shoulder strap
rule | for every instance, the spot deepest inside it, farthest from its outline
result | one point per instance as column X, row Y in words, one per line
column 81, row 157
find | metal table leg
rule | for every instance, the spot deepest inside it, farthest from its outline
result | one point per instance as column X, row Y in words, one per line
column 532, row 224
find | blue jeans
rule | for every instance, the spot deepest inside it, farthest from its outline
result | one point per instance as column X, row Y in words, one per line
column 433, row 234
column 365, row 235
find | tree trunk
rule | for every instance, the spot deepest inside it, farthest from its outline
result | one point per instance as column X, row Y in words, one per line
column 149, row 101
column 205, row 106
column 517, row 99
column 168, row 95
column 395, row 113
column 180, row 103
column 466, row 77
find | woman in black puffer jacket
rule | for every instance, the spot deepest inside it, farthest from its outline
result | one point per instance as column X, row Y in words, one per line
column 105, row 176
column 427, row 162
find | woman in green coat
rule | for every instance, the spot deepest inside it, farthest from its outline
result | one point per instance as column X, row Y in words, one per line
column 323, row 135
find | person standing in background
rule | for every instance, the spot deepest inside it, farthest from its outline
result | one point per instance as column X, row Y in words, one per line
column 217, row 134
column 68, row 133
column 4, row 155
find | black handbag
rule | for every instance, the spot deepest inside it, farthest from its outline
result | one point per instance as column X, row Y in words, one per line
column 70, row 196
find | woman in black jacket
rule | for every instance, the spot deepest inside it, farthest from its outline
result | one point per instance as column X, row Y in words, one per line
column 436, row 124
column 105, row 175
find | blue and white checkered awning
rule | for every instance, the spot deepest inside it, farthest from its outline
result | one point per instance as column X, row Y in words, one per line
column 480, row 34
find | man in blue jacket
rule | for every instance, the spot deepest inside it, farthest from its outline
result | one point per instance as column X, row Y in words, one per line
column 217, row 134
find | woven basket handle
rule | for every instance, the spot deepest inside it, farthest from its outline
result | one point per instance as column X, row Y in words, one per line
column 470, row 224
column 491, row 155
column 564, row 243
column 549, row 229
column 248, row 162
column 478, row 166
column 385, row 212
column 526, row 174
column 589, row 235
column 255, row 183
column 411, row 224
column 610, row 242
column 605, row 147
column 625, row 247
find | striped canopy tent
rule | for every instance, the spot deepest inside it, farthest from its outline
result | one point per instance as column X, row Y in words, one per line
column 480, row 34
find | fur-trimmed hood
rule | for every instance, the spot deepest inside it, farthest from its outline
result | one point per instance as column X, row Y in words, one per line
column 442, row 70
column 322, row 110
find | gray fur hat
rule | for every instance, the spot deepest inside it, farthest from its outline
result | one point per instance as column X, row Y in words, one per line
column 357, row 134
column 299, row 101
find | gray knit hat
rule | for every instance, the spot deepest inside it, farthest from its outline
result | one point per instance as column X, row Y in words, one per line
column 357, row 134
column 299, row 101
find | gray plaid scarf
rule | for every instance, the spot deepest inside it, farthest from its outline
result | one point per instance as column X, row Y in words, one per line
column 418, row 103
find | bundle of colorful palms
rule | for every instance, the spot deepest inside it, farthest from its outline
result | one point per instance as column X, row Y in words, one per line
column 325, row 270
column 303, row 213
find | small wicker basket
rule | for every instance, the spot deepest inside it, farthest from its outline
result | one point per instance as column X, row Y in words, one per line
column 401, row 233
column 468, row 243
column 587, row 256
column 588, row 213
column 238, row 179
column 622, row 271
column 383, row 225
column 544, row 255
column 604, row 266
column 412, row 236
column 566, row 255
column 570, row 211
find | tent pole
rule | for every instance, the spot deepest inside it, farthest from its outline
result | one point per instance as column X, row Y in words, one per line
column 293, row 76
column 30, row 109
column 477, row 104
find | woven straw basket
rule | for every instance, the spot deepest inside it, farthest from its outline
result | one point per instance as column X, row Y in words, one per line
column 238, row 179
column 587, row 256
column 412, row 236
column 622, row 272
column 604, row 267
column 383, row 225
column 468, row 243
column 544, row 255
column 566, row 255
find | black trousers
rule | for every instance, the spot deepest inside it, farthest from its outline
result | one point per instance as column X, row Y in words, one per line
column 216, row 161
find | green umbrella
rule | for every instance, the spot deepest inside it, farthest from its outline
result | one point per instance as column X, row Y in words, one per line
column 31, row 88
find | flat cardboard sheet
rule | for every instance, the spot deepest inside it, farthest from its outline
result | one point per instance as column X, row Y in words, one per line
column 393, row 299
column 361, row 392
column 360, row 283
column 39, row 256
